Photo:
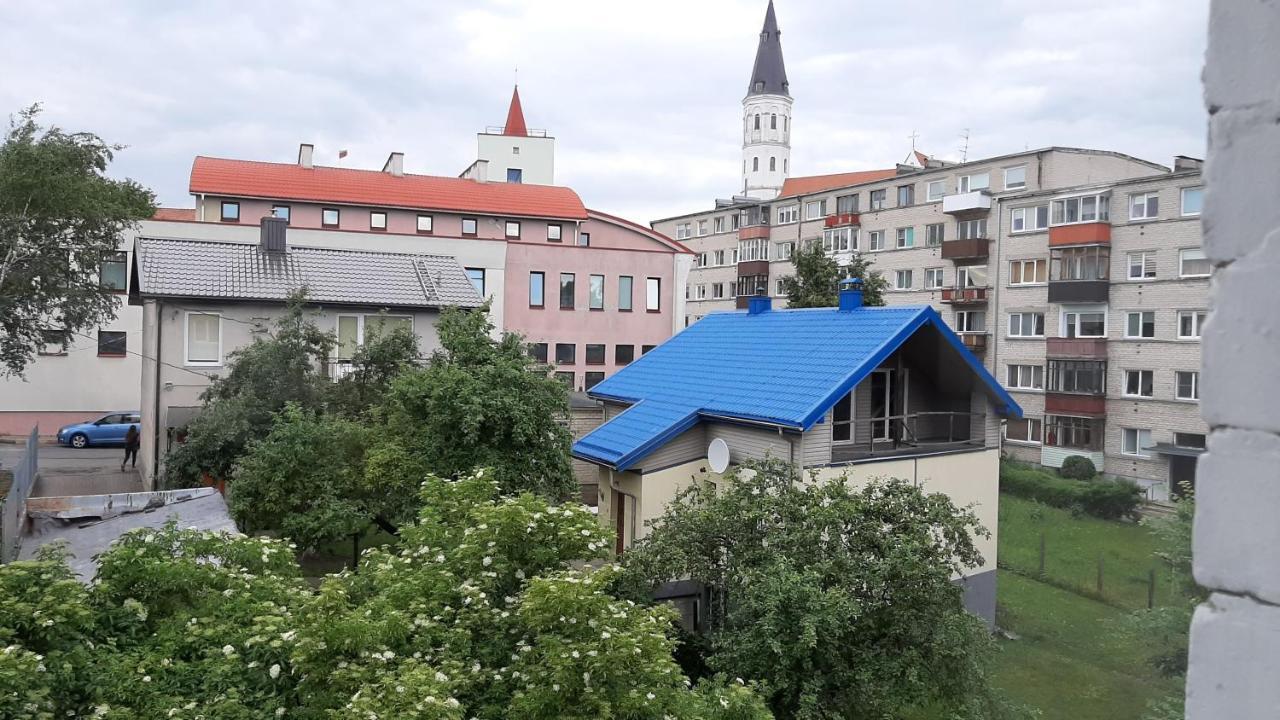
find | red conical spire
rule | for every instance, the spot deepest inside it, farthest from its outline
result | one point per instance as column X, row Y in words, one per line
column 515, row 117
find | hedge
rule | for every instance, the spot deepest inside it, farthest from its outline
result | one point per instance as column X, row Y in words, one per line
column 1107, row 499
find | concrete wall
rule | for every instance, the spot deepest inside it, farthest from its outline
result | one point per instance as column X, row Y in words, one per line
column 1235, row 636
column 534, row 156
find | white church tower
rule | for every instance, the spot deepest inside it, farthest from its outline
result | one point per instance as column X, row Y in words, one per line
column 766, row 118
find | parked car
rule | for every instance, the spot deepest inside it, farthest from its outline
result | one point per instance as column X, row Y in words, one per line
column 106, row 430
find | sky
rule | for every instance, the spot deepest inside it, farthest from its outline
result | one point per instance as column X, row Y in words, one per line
column 644, row 98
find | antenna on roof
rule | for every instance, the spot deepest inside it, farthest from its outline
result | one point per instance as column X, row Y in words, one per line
column 964, row 149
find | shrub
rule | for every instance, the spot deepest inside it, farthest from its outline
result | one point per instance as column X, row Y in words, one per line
column 1110, row 500
column 1078, row 467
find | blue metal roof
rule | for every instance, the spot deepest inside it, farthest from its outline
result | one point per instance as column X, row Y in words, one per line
column 784, row 367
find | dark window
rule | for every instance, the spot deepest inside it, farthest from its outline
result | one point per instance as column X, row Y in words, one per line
column 513, row 229
column 1188, row 440
column 538, row 351
column 425, row 223
column 112, row 343
column 281, row 211
column 114, row 273
column 537, row 289
column 468, row 226
column 847, row 204
column 53, row 342
column 1079, row 263
column 476, row 275
column 906, row 195
column 1072, row 432
column 1084, row 377
column 567, row 285
column 624, row 292
column 377, row 220
column 566, row 378
column 773, row 122
column 755, row 164
column 584, row 239
column 624, row 354
column 230, row 211
column 644, row 349
column 773, row 164
column 566, row 353
column 592, row 379
column 757, row 122
column 514, row 175
column 748, row 284
column 595, row 354
column 554, row 231
column 329, row 217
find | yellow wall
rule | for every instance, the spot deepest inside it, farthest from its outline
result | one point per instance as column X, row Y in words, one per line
column 654, row 490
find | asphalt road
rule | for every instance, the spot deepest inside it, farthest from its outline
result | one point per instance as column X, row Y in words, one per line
column 67, row 471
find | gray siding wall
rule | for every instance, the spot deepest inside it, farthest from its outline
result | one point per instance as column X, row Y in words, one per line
column 685, row 447
column 817, row 443
column 750, row 443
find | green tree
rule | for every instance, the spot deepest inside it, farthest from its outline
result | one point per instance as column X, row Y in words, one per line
column 374, row 364
column 817, row 276
column 481, row 402
column 61, row 218
column 838, row 600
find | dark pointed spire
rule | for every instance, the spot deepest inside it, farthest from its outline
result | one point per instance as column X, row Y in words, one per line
column 769, row 76
column 515, row 116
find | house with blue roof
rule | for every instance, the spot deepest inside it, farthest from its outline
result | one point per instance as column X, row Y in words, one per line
column 863, row 392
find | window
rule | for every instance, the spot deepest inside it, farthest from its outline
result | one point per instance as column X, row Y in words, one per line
column 1144, row 206
column 53, row 342
column 624, row 293
column 1027, row 219
column 1027, row 272
column 749, row 285
column 426, row 223
column 112, row 343
column 595, row 354
column 971, row 321
column 839, row 239
column 329, row 217
column 1080, row 377
column 584, row 239
column 755, row 164
column 788, row 214
column 702, row 228
column 702, row 291
column 701, row 260
column 468, row 226
column 1190, row 324
column 566, row 353
column 779, row 288
column 977, row 181
column 515, row 175
column 377, row 220
column 567, row 288
column 592, row 379
column 932, row 278
column 1189, row 440
column 971, row 229
column 877, row 199
column 934, row 234
column 230, row 211
column 644, row 349
column 554, row 231
column 1026, row 324
column 815, row 209
column 1193, row 263
column 1139, row 383
column 204, row 339
column 513, row 229
column 757, row 127
column 717, row 224
column 595, row 292
column 1135, row 442
column 842, row 419
column 1140, row 324
column 1081, row 209
column 684, row 231
column 538, row 351
column 354, row 329
column 1084, row 324
column 971, row 276
column 1142, row 265
column 1025, row 430
column 1091, row 262
column 652, row 299
column 754, row 249
column 1072, row 432
column 476, row 275
column 906, row 195
column 537, row 289
column 784, row 250
column 718, row 257
column 773, row 121
column 114, row 273
column 773, row 164
column 906, row 237
column 1026, row 377
column 717, row 290
column 1015, row 178
column 876, row 239
column 566, row 378
column 515, row 149
column 624, row 354
column 1186, row 384
column 1192, row 201
column 281, row 211
column 847, row 204
column 935, row 190
column 902, row 280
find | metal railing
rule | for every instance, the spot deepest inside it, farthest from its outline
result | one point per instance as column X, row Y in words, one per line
column 13, row 514
column 913, row 431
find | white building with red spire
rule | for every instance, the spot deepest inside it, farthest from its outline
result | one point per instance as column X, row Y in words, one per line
column 513, row 153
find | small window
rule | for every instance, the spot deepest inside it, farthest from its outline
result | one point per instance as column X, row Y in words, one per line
column 230, row 211
column 773, row 164
column 1142, row 265
column 847, row 204
column 567, row 289
column 971, row 321
column 1027, row 272
column 1026, row 377
column 329, row 217
column 971, row 229
column 1027, row 219
column 515, row 149
column 1026, row 324
column 584, row 239
column 53, row 342
column 934, row 234
column 566, row 378
column 1015, row 178
column 624, row 292
column 1192, row 201
column 877, row 199
column 476, row 275
column 538, row 351
column 644, row 349
column 624, row 354
column 553, row 232
column 906, row 237
column 935, row 190
column 515, row 175
column 377, row 220
column 114, row 274
column 1084, row 324
column 592, row 379
column 1190, row 324
column 537, row 289
column 1186, row 385
column 876, row 239
column 755, row 164
column 1135, row 442
column 773, row 121
column 815, row 209
column 779, row 287
column 204, row 339
column 566, row 353
column 281, row 211
column 653, row 297
column 513, row 229
column 1140, row 324
column 1139, row 383
column 595, row 354
column 595, row 292
column 426, row 223
column 977, row 181
column 468, row 226
column 1025, row 430
column 1144, row 206
column 906, row 195
column 902, row 280
column 1193, row 263
column 932, row 278
column 757, row 127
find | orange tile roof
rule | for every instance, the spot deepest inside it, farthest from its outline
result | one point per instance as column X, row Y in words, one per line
column 287, row 181
column 515, row 116
column 818, row 183
column 164, row 213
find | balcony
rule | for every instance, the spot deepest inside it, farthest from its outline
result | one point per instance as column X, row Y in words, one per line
column 965, row 296
column 971, row 249
column 975, row 342
column 971, row 202
column 748, row 268
column 841, row 219
column 751, row 232
column 912, row 434
column 1071, row 348
column 1079, row 291
column 1056, row 403
column 1098, row 233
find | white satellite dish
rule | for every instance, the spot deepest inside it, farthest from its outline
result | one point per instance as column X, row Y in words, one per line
column 718, row 455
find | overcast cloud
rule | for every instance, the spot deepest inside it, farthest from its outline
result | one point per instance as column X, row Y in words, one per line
column 644, row 98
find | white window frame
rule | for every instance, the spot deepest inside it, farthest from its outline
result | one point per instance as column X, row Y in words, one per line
column 653, row 294
column 975, row 229
column 899, row 275
column 1196, row 323
column 684, row 231
column 429, row 224
column 875, row 235
column 1124, row 389
column 779, row 288
column 942, row 234
column 361, row 319
column 1195, row 385
column 965, row 326
column 842, row 239
column 929, row 190
column 1077, row 311
column 1022, row 323
column 1137, row 450
column 1022, row 272
column 815, row 209
column 1128, row 319
column 186, row 340
column 1196, row 254
column 905, row 238
column 1144, row 199
column 875, row 204
column 934, row 278
column 788, row 214
column 1019, row 376
column 1146, row 261
column 1101, row 209
column 971, row 182
column 1027, row 219
column 1182, row 201
column 1029, row 419
column 702, row 291
column 717, row 224
column 1017, row 185
column 717, row 290
column 507, row 226
column 702, row 228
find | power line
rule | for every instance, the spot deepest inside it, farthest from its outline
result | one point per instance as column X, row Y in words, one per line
column 148, row 357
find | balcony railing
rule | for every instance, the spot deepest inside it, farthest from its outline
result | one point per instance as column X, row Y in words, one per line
column 1098, row 233
column 976, row 201
column 965, row 296
column 751, row 232
column 1073, row 404
column 912, row 434
column 1085, row 348
column 840, row 219
column 975, row 342
column 339, row 369
column 1079, row 291
column 967, row 249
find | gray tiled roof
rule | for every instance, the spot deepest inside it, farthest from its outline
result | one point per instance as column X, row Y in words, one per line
column 242, row 271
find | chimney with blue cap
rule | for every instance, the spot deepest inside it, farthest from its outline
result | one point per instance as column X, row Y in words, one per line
column 850, row 294
column 760, row 302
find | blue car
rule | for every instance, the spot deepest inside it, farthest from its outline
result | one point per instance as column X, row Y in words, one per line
column 106, row 430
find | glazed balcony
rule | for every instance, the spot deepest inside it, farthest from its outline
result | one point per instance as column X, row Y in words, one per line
column 842, row 219
column 975, row 342
column 1096, row 233
column 965, row 296
column 1081, row 348
column 978, row 201
column 968, row 250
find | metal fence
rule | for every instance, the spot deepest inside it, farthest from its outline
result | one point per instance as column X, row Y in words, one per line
column 13, row 514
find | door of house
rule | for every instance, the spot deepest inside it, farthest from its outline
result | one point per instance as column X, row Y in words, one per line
column 882, row 382
column 618, row 502
column 1182, row 475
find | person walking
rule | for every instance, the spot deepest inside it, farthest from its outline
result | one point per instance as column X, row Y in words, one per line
column 132, row 439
